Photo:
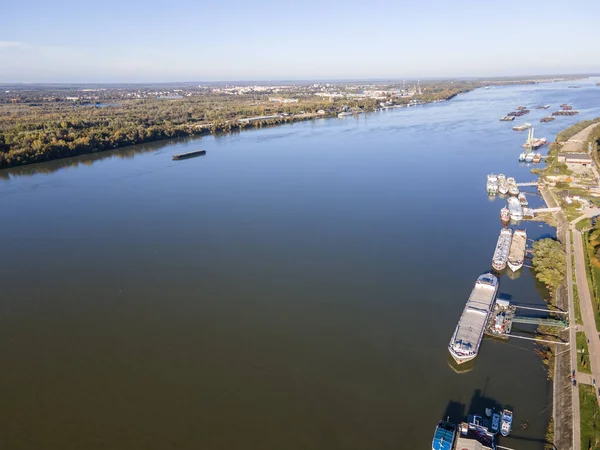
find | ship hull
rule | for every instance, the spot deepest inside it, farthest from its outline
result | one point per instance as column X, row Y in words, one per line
column 499, row 266
column 515, row 266
column 459, row 359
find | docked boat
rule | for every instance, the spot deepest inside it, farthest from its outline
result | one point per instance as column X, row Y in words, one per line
column 515, row 208
column 501, row 178
column 513, row 189
column 507, row 418
column 533, row 142
column 443, row 438
column 503, row 188
column 491, row 184
column 522, row 157
column 495, row 427
column 522, row 127
column 467, row 337
column 505, row 215
column 529, row 158
column 502, row 249
column 507, row 118
column 522, row 199
column 516, row 255
column 537, row 158
column 349, row 113
column 474, row 436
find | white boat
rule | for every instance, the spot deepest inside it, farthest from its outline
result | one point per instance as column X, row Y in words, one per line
column 515, row 208
column 529, row 157
column 467, row 337
column 522, row 157
column 516, row 255
column 513, row 190
column 501, row 178
column 507, row 418
column 502, row 249
column 503, row 188
column 492, row 184
column 505, row 215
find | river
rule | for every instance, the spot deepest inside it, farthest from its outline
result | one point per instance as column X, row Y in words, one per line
column 295, row 288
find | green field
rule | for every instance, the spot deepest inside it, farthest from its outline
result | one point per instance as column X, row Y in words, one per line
column 590, row 417
column 583, row 354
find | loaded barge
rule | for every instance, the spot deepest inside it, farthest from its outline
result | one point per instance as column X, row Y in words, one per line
column 516, row 255
column 187, row 155
column 465, row 342
column 502, row 248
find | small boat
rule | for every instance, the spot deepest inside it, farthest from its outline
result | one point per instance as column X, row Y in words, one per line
column 507, row 118
column 507, row 418
column 513, row 190
column 505, row 215
column 495, row 423
column 443, row 438
column 547, row 119
column 522, row 157
column 529, row 157
column 542, row 107
column 503, row 188
column 187, row 155
column 537, row 158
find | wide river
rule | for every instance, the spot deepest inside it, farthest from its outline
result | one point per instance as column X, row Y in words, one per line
column 295, row 288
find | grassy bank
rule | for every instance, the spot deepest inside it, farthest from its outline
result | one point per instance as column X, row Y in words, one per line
column 592, row 269
column 583, row 354
column 590, row 418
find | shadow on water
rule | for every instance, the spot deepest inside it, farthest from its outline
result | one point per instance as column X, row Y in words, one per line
column 89, row 159
column 460, row 368
column 457, row 412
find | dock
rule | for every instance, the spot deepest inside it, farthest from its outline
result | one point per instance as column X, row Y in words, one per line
column 188, row 155
column 500, row 322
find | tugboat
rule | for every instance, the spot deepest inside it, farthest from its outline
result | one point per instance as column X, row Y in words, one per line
column 495, row 423
column 443, row 438
column 507, row 418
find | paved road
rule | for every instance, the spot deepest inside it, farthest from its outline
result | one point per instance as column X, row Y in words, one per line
column 587, row 315
column 573, row 347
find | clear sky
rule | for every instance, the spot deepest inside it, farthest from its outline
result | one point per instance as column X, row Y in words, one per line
column 203, row 40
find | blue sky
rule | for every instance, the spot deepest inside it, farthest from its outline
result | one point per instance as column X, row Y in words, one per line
column 180, row 40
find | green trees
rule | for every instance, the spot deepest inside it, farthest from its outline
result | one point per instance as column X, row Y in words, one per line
column 549, row 262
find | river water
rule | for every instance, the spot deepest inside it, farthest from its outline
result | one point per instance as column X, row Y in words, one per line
column 295, row 288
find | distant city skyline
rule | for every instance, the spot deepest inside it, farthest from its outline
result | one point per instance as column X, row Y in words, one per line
column 119, row 42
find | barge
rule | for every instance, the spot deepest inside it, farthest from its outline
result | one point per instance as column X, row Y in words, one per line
column 500, row 257
column 516, row 254
column 466, row 340
column 547, row 119
column 522, row 127
column 188, row 155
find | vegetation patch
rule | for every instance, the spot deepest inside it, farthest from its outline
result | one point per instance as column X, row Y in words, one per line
column 549, row 262
column 567, row 134
column 590, row 417
column 583, row 354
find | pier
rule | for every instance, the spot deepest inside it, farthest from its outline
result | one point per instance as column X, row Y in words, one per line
column 528, row 183
column 503, row 316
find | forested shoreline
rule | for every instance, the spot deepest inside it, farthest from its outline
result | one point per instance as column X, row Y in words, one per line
column 32, row 132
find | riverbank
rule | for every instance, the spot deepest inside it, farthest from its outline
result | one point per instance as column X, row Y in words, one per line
column 32, row 132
